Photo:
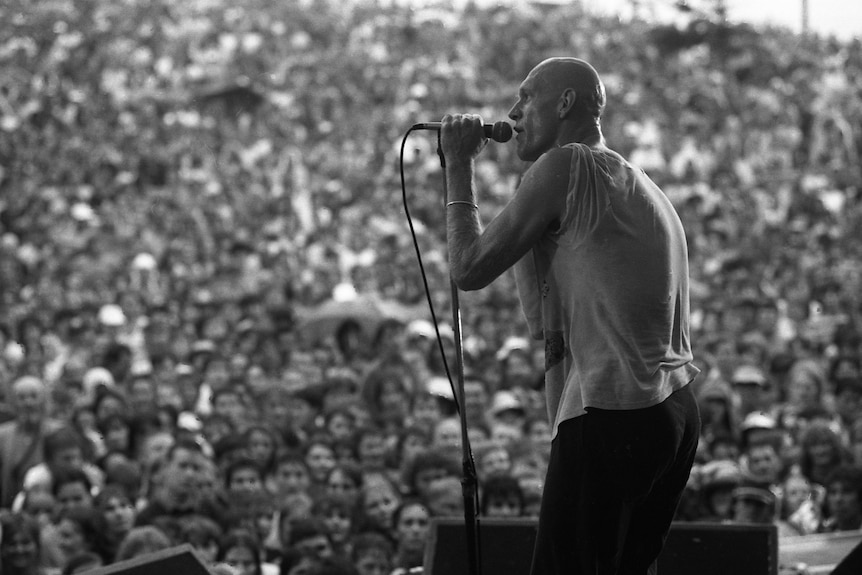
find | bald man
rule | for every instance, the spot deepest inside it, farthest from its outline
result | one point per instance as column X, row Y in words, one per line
column 22, row 440
column 601, row 264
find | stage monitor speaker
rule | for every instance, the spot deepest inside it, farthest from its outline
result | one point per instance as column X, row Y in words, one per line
column 702, row 548
column 506, row 546
column 720, row 549
column 176, row 560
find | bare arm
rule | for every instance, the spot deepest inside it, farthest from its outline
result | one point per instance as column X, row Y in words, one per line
column 477, row 257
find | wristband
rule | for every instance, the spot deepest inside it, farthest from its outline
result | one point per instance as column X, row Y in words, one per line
column 464, row 202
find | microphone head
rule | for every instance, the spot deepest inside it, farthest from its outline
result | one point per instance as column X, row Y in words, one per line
column 501, row 132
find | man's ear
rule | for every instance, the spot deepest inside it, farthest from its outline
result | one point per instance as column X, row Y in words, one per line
column 567, row 102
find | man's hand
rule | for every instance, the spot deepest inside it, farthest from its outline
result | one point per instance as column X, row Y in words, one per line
column 462, row 137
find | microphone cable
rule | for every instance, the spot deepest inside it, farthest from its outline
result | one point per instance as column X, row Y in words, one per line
column 422, row 272
column 469, row 481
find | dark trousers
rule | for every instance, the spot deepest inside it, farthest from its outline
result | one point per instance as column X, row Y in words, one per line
column 613, row 484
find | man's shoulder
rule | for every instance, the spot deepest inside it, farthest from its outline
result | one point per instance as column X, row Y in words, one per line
column 552, row 164
column 560, row 154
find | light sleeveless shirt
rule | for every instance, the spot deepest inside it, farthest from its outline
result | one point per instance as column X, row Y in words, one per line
column 608, row 292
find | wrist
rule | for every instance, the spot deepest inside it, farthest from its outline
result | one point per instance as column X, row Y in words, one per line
column 460, row 164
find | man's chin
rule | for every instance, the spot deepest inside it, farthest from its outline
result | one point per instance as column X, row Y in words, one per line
column 526, row 155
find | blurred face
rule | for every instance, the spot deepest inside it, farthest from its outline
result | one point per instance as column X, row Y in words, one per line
column 109, row 406
column 260, row 447
column 412, row 444
column 338, row 523
column 242, row 559
column 796, row 491
column 803, row 390
column 725, row 450
column 317, row 546
column 426, row 410
column 320, row 460
column 447, row 434
column 119, row 515
column 68, row 457
column 844, row 503
column 448, row 501
column 373, row 562
column 183, row 472
column 746, row 511
column 305, row 566
column 722, row 503
column 540, row 433
column 341, row 485
column 393, row 400
column 379, row 504
column 299, row 412
column 412, row 528
column 157, row 447
column 856, row 442
column 245, row 481
column 229, row 406
column 143, row 394
column 715, row 410
column 257, row 379
column 217, row 428
column 208, row 550
column 506, row 434
column 117, row 437
column 475, row 399
column 40, row 506
column 750, row 394
column 764, row 462
column 340, row 426
column 425, row 477
column 29, row 394
column 292, row 477
column 519, row 370
column 496, row 461
column 503, row 507
column 532, row 489
column 849, row 403
column 217, row 374
column 372, row 451
column 168, row 394
column 69, row 538
column 20, row 551
column 86, row 419
column 822, row 453
column 72, row 496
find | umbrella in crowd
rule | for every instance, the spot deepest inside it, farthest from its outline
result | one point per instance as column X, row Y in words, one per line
column 369, row 311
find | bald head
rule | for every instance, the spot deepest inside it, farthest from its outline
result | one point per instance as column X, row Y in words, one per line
column 560, row 74
column 559, row 102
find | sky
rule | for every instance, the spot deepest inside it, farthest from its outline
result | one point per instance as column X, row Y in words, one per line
column 843, row 18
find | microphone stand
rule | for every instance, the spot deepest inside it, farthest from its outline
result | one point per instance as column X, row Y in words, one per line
column 469, row 481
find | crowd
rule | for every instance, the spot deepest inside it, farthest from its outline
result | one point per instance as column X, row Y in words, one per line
column 182, row 185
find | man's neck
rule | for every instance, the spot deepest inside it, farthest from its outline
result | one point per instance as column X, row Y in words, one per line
column 589, row 134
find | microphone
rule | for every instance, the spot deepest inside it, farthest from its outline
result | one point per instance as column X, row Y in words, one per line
column 498, row 131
